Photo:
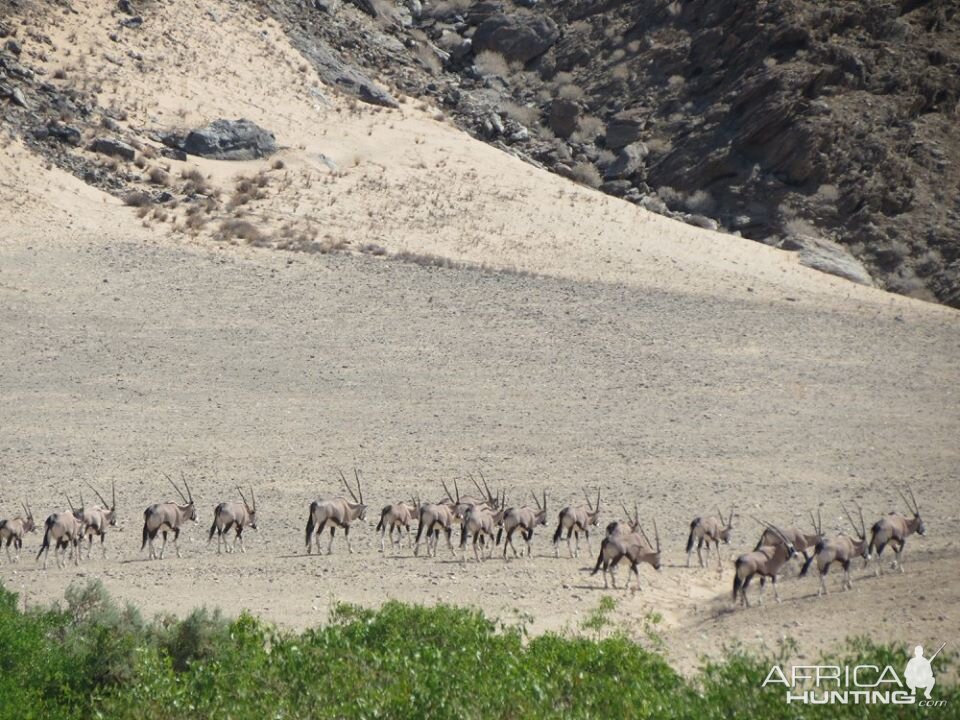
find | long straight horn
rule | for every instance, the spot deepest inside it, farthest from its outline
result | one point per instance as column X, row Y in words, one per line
column 863, row 524
column 625, row 511
column 544, row 500
column 246, row 504
column 82, row 504
column 189, row 497
column 819, row 522
column 905, row 500
column 850, row 518
column 113, row 487
column 730, row 520
column 813, row 520
column 587, row 498
column 656, row 534
column 97, row 494
column 476, row 484
column 179, row 491
column 916, row 506
column 356, row 475
column 597, row 506
column 25, row 509
column 536, row 500
column 447, row 491
column 642, row 532
column 253, row 496
column 456, row 489
column 70, row 503
column 347, row 485
column 485, row 486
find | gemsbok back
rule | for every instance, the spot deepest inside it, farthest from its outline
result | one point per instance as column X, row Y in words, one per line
column 841, row 549
column 765, row 562
column 12, row 531
column 712, row 528
column 397, row 517
column 635, row 546
column 64, row 529
column 168, row 517
column 525, row 519
column 337, row 513
column 576, row 520
column 98, row 518
column 896, row 528
column 233, row 514
column 803, row 542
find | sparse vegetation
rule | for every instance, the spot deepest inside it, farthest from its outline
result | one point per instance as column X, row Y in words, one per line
column 587, row 174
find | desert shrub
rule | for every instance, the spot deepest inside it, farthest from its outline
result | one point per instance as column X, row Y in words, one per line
column 138, row 198
column 234, row 228
column 587, row 174
column 158, row 176
column 588, row 129
column 490, row 62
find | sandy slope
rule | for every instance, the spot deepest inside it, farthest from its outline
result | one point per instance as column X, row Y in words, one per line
column 638, row 362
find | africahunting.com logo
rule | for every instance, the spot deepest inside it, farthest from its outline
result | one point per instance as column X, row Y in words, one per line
column 860, row 684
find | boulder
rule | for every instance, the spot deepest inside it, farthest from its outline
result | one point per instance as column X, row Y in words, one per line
column 628, row 161
column 623, row 130
column 230, row 140
column 564, row 115
column 58, row 131
column 517, row 39
column 114, row 147
column 827, row 256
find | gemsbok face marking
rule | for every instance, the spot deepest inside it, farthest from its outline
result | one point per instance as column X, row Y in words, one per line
column 894, row 529
column 803, row 543
column 338, row 512
column 841, row 549
column 168, row 517
column 98, row 518
column 525, row 519
column 236, row 515
column 397, row 516
column 712, row 528
column 635, row 546
column 65, row 530
column 765, row 562
column 576, row 520
column 12, row 531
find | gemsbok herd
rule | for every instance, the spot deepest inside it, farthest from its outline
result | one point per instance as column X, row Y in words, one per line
column 486, row 520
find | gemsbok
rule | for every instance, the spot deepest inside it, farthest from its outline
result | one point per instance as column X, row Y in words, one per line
column 896, row 528
column 712, row 528
column 765, row 562
column 524, row 519
column 437, row 517
column 486, row 499
column 397, row 516
column 803, row 542
column 236, row 515
column 576, row 520
column 337, row 513
column 64, row 529
column 841, row 549
column 98, row 518
column 12, row 531
column 634, row 546
column 168, row 517
column 480, row 522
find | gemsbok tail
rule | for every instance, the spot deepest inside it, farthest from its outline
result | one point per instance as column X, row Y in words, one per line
column 310, row 523
column 599, row 559
column 693, row 526
column 559, row 531
column 737, row 580
column 45, row 545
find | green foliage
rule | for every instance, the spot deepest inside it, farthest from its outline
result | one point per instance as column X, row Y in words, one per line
column 95, row 659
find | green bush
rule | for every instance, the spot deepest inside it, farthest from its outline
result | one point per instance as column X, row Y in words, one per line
column 94, row 659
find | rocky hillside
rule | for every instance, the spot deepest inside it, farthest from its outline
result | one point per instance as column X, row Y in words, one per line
column 792, row 122
column 832, row 130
